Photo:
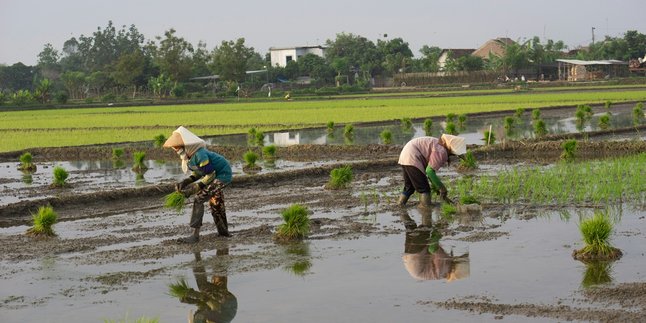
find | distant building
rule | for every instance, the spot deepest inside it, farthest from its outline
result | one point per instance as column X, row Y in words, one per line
column 281, row 56
column 453, row 54
column 579, row 70
column 496, row 47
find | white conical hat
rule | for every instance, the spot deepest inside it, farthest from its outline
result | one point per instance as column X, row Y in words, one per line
column 456, row 144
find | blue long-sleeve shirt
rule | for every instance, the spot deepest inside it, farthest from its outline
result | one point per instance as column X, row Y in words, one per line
column 207, row 166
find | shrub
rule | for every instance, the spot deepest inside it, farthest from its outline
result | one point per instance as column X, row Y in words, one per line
column 43, row 222
column 61, row 97
column 489, row 137
column 175, row 201
column 540, row 129
column 340, row 177
column 269, row 152
column 386, row 136
column 450, row 128
column 569, row 150
column 60, row 176
column 296, row 225
column 26, row 163
column 428, row 124
column 158, row 140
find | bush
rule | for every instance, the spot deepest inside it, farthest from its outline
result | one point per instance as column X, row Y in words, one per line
column 340, row 178
column 61, row 97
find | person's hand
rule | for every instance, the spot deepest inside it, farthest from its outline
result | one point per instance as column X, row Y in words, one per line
column 191, row 189
column 444, row 196
column 181, row 185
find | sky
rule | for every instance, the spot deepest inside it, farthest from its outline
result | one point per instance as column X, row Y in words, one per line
column 27, row 25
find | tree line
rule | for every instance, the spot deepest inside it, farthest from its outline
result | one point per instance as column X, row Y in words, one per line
column 120, row 63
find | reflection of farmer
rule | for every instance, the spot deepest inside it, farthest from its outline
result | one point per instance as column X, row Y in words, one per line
column 420, row 158
column 425, row 259
column 214, row 301
column 211, row 172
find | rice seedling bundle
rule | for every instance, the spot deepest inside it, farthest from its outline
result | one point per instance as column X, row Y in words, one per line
column 340, row 177
column 451, row 129
column 117, row 153
column 269, row 152
column 26, row 163
column 175, row 200
column 604, row 121
column 596, row 233
column 44, row 219
column 406, row 123
column 489, row 137
column 296, row 225
column 348, row 130
column 250, row 158
column 159, row 140
column 139, row 161
column 60, row 176
column 428, row 124
column 330, row 126
column 540, row 129
column 536, row 114
column 386, row 136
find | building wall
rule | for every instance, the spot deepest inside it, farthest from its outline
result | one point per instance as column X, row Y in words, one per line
column 280, row 56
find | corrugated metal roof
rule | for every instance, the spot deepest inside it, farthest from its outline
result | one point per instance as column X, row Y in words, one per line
column 601, row 62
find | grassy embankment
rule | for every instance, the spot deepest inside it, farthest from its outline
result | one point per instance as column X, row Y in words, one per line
column 70, row 127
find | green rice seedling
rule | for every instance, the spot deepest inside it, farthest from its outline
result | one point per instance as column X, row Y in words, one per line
column 176, row 201
column 536, row 114
column 139, row 161
column 251, row 136
column 250, row 158
column 468, row 162
column 296, row 225
column 142, row 319
column 596, row 273
column 179, row 289
column 519, row 114
column 269, row 152
column 60, row 177
column 406, row 123
column 569, row 150
column 638, row 114
column 604, row 121
column 26, row 163
column 159, row 140
column 540, row 129
column 260, row 138
column 607, row 105
column 489, row 137
column 386, row 136
column 330, row 126
column 468, row 199
column 428, row 124
column 44, row 219
column 462, row 119
column 448, row 209
column 348, row 130
column 340, row 178
column 450, row 117
column 451, row 129
column 596, row 233
column 117, row 153
column 508, row 123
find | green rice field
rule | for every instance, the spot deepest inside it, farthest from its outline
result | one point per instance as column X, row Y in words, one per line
column 84, row 126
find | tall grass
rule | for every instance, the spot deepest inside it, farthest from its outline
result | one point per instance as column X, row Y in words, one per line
column 44, row 219
column 609, row 181
column 340, row 178
column 428, row 124
column 296, row 225
column 60, row 176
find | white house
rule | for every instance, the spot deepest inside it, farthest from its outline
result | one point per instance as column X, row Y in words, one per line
column 280, row 56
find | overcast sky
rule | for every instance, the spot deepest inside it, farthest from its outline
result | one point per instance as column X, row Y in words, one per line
column 27, row 25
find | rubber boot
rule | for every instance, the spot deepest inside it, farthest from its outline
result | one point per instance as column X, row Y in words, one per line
column 194, row 238
column 425, row 200
column 222, row 225
column 402, row 200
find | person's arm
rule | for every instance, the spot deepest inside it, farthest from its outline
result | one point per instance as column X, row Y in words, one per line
column 435, row 181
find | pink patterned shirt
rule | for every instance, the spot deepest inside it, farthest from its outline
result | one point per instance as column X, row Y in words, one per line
column 423, row 151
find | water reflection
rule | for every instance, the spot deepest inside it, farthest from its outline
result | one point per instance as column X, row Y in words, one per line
column 299, row 255
column 215, row 303
column 597, row 273
column 27, row 177
column 424, row 258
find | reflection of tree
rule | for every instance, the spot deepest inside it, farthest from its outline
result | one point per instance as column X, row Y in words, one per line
column 299, row 254
column 214, row 301
column 424, row 257
column 596, row 273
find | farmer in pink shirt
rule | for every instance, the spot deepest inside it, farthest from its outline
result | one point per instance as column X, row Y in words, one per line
column 420, row 158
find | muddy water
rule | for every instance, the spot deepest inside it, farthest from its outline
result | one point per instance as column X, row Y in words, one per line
column 506, row 257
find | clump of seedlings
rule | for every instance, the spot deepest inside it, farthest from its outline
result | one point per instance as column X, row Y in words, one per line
column 519, row 114
column 536, row 114
column 117, row 153
column 489, row 137
column 468, row 199
column 638, row 114
column 330, row 127
column 451, row 129
column 250, row 158
column 296, row 225
column 158, row 140
column 582, row 115
column 468, row 162
column 428, row 124
column 604, row 121
column 596, row 233
column 386, row 136
column 269, row 153
column 450, row 117
column 175, row 200
column 26, row 163
column 540, row 129
column 406, row 124
column 509, row 124
column 607, row 105
column 462, row 120
column 139, row 162
column 44, row 219
column 340, row 178
column 596, row 273
column 179, row 289
column 569, row 150
column 251, row 136
column 260, row 138
column 448, row 209
column 348, row 130
column 60, row 177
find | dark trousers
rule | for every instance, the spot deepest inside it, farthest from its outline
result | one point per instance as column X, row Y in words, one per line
column 414, row 180
column 215, row 195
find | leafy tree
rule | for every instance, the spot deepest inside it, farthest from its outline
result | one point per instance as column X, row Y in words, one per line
column 200, row 64
column 636, row 42
column 44, row 90
column 470, row 63
column 174, row 56
column 128, row 69
column 73, row 82
column 17, row 76
column 316, row 67
column 396, row 55
column 429, row 61
column 359, row 53
column 516, row 57
column 230, row 60
column 48, row 62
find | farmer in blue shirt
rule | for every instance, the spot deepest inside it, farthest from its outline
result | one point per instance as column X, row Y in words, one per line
column 210, row 173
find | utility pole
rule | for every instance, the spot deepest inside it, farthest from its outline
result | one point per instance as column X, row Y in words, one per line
column 592, row 35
